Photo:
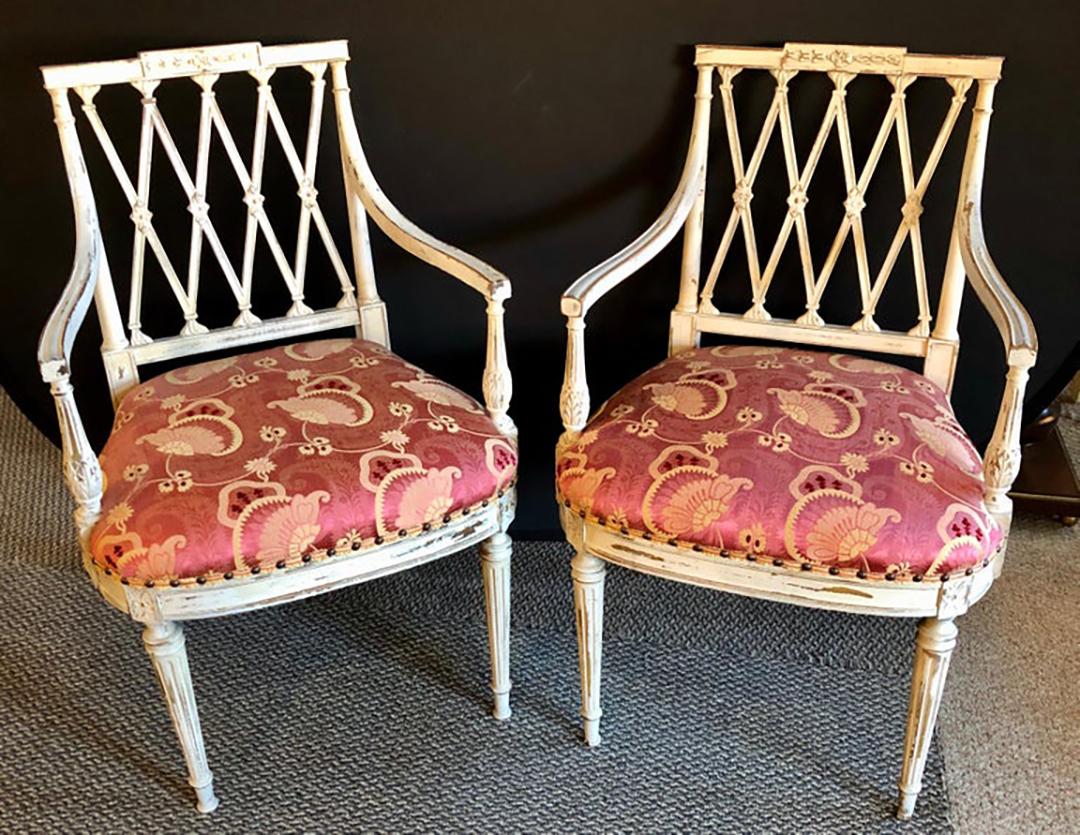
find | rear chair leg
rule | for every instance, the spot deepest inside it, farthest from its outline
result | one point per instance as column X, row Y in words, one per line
column 165, row 644
column 588, row 572
column 934, row 644
column 495, row 555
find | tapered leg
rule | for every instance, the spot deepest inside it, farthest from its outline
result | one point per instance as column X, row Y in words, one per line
column 588, row 572
column 165, row 644
column 934, row 644
column 495, row 555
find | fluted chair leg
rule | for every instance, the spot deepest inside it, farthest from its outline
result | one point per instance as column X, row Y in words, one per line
column 934, row 645
column 588, row 572
column 495, row 554
column 165, row 644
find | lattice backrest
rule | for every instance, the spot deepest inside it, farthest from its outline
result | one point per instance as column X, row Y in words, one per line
column 722, row 68
column 204, row 67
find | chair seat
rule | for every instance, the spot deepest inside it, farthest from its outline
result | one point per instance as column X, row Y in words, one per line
column 825, row 459
column 230, row 467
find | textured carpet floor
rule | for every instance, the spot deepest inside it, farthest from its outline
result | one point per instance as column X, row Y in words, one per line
column 367, row 709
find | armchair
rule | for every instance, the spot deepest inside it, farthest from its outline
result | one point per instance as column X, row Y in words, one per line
column 275, row 475
column 806, row 475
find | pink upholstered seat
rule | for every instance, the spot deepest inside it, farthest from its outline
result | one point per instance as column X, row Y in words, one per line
column 829, row 460
column 251, row 463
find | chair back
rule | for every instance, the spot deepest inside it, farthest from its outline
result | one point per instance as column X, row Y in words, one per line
column 893, row 70
column 125, row 349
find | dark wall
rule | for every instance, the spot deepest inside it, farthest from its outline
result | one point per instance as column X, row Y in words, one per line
column 542, row 137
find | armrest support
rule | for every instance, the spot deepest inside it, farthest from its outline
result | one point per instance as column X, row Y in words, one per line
column 583, row 293
column 1012, row 320
column 587, row 290
column 1002, row 460
column 82, row 472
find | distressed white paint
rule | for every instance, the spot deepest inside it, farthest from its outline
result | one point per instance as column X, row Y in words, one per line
column 495, row 557
column 165, row 645
column 588, row 573
column 161, row 608
column 933, row 648
column 695, row 314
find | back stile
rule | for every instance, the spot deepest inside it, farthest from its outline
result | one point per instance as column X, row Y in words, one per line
column 691, row 260
column 372, row 324
column 940, row 364
column 682, row 333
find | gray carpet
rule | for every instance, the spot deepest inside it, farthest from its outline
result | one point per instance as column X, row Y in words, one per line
column 367, row 709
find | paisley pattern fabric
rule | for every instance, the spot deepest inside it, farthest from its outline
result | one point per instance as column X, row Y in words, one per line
column 238, row 465
column 827, row 460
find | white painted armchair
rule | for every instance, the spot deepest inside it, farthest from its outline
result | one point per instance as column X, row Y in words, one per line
column 803, row 474
column 285, row 472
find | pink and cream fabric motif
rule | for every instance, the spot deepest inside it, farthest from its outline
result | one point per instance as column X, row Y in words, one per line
column 824, row 459
column 228, row 467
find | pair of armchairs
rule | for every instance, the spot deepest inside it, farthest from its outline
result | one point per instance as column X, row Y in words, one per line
column 816, row 477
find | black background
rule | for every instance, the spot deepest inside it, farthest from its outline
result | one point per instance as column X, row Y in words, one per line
column 542, row 137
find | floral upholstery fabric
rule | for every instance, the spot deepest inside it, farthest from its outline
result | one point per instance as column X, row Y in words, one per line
column 233, row 466
column 828, row 460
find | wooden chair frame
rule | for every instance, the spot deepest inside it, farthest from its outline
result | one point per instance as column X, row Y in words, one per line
column 598, row 542
column 162, row 609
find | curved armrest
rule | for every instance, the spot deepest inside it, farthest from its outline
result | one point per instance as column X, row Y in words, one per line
column 81, row 469
column 1002, row 459
column 583, row 293
column 1012, row 320
column 402, row 231
column 58, row 335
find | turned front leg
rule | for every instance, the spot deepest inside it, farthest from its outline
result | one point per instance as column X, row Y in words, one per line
column 934, row 645
column 495, row 555
column 165, row 644
column 588, row 573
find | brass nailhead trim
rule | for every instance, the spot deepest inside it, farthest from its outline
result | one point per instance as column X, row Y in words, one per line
column 674, row 542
